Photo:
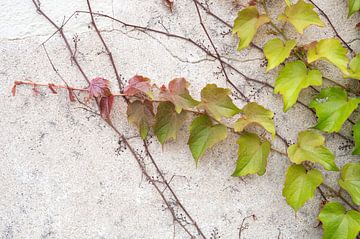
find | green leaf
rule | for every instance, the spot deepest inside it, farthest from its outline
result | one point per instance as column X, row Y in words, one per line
column 301, row 15
column 141, row 114
column 252, row 155
column 310, row 147
column 246, row 25
column 292, row 79
column 350, row 180
column 167, row 122
column 300, row 185
column 178, row 94
column 354, row 6
column 356, row 133
column 276, row 52
column 354, row 71
column 203, row 135
column 339, row 223
column 330, row 50
column 333, row 107
column 256, row 114
column 217, row 103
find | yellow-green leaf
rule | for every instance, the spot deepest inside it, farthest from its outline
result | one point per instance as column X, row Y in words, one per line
column 246, row 25
column 339, row 223
column 204, row 134
column 252, row 155
column 168, row 122
column 276, row 52
column 354, row 6
column 330, row 50
column 301, row 15
column 292, row 79
column 333, row 107
column 354, row 71
column 141, row 114
column 356, row 133
column 350, row 180
column 310, row 147
column 300, row 185
column 256, row 114
column 217, row 103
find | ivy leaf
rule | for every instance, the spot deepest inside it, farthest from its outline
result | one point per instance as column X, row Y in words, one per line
column 139, row 85
column 276, row 52
column 301, row 15
column 217, row 103
column 339, row 223
column 350, row 180
column 141, row 114
column 330, row 50
column 300, row 185
column 252, row 155
column 167, row 122
column 356, row 133
column 106, row 104
column 354, row 71
column 354, row 6
column 99, row 87
column 310, row 147
column 246, row 25
column 333, row 107
column 292, row 79
column 256, row 114
column 203, row 135
column 178, row 94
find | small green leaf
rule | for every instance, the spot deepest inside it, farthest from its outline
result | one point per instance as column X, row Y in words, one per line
column 354, row 6
column 276, row 52
column 246, row 25
column 310, row 147
column 203, row 135
column 301, row 15
column 217, row 103
column 292, row 79
column 167, row 122
column 339, row 223
column 330, row 50
column 252, row 155
column 354, row 71
column 356, row 133
column 300, row 185
column 141, row 114
column 350, row 180
column 256, row 114
column 333, row 107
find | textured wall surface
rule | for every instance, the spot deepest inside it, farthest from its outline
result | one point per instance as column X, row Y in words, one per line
column 64, row 173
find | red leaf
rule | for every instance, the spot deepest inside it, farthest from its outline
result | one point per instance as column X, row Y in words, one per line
column 106, row 104
column 71, row 95
column 138, row 85
column 99, row 87
column 51, row 87
column 169, row 4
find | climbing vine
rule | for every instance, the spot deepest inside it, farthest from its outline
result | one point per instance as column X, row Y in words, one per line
column 164, row 109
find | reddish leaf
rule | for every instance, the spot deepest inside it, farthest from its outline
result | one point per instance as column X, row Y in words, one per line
column 138, row 85
column 52, row 88
column 169, row 4
column 71, row 95
column 106, row 104
column 358, row 26
column 99, row 87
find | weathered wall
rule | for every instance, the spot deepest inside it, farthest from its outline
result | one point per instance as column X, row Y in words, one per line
column 62, row 172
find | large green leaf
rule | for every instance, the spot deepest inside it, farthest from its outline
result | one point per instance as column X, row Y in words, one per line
column 356, row 133
column 301, row 15
column 217, row 103
column 310, row 147
column 354, row 71
column 246, row 25
column 350, row 180
column 339, row 223
column 292, row 79
column 168, row 122
column 141, row 115
column 354, row 6
column 330, row 50
column 333, row 107
column 276, row 52
column 203, row 135
column 300, row 185
column 256, row 114
column 252, row 155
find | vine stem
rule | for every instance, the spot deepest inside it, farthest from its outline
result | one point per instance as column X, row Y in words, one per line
column 339, row 195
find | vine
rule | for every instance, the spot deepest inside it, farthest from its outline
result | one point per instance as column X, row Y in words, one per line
column 164, row 109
